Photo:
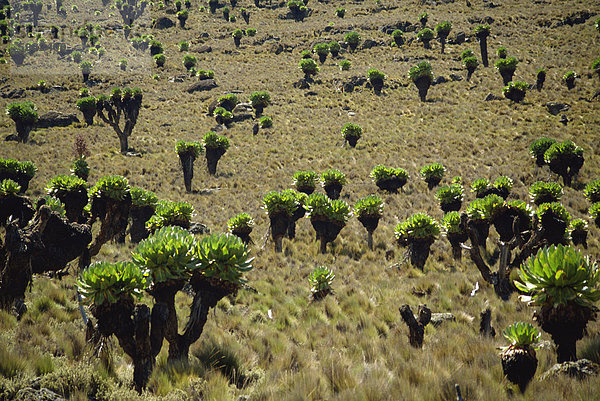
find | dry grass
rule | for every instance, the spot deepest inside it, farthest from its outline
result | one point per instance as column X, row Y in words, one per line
column 275, row 343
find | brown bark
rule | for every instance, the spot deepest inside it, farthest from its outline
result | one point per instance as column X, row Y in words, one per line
column 416, row 326
column 47, row 243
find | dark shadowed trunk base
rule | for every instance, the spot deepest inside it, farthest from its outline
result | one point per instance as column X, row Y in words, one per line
column 519, row 366
column 566, row 324
column 279, row 227
column 139, row 217
column 212, row 158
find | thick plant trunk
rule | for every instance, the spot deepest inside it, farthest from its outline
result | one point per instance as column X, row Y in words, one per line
column 212, row 158
column 423, row 85
column 139, row 217
column 131, row 325
column 451, row 207
column 123, row 141
column 370, row 223
column 19, row 207
column 470, row 72
column 74, row 204
column 485, row 324
column 352, row 140
column 443, row 43
column 88, row 116
column 519, row 366
column 507, row 76
column 207, row 295
column 566, row 324
column 419, row 252
column 484, row 52
column 377, row 85
column 333, row 190
column 187, row 164
column 456, row 240
column 298, row 214
column 416, row 326
column 279, row 227
column 23, row 130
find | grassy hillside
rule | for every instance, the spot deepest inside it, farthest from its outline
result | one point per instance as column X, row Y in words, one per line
column 275, row 342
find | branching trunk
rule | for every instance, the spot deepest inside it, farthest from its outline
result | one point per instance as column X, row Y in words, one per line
column 208, row 293
column 416, row 326
column 500, row 278
column 139, row 339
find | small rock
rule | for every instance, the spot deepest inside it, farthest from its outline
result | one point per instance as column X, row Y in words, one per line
column 14, row 94
column 439, row 80
column 351, row 114
column 353, row 82
column 404, row 26
column 580, row 369
column 199, row 228
column 578, row 17
column 369, row 43
column 212, row 106
column 455, row 77
column 554, row 107
column 491, row 96
column 438, row 318
column 204, row 49
column 164, row 23
column 178, row 78
column 564, row 119
column 203, row 85
column 276, row 48
column 302, row 83
column 56, row 119
column 458, row 39
column 242, row 115
column 255, row 128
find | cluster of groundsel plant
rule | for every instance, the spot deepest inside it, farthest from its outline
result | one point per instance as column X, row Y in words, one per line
column 223, row 257
column 502, row 187
column 165, row 255
column 193, row 148
column 333, row 176
column 241, row 222
column 9, row 187
column 559, row 275
column 545, row 192
column 319, row 205
column 521, row 334
column 484, row 208
column 141, row 197
column 433, row 173
column 61, row 185
column 108, row 282
column 592, row 193
column 382, row 176
column 417, row 227
column 115, row 187
column 170, row 213
column 321, row 281
column 172, row 253
column 370, row 205
column 283, row 202
column 305, row 181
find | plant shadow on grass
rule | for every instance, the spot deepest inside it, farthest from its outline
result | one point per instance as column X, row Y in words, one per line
column 214, row 356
